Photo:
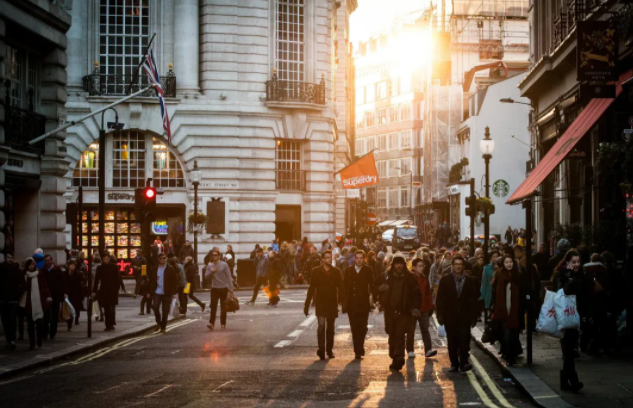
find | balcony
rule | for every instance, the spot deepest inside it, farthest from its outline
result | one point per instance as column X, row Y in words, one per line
column 98, row 84
column 292, row 91
column 560, row 29
column 21, row 127
column 575, row 9
column 290, row 180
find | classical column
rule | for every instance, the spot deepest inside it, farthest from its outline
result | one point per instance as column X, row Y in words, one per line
column 186, row 45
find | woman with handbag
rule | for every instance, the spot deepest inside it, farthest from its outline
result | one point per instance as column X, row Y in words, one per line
column 506, row 302
column 570, row 277
column 34, row 301
column 76, row 289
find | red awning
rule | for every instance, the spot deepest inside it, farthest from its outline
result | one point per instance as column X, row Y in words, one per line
column 583, row 123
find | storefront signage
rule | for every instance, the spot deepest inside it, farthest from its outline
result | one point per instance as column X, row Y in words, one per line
column 353, row 193
column 124, row 267
column 597, row 51
column 361, row 173
column 120, row 196
column 500, row 188
column 224, row 185
column 159, row 228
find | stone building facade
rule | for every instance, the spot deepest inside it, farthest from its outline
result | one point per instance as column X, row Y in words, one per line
column 252, row 99
column 33, row 64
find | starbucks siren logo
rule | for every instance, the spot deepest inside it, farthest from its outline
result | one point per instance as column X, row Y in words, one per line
column 500, row 188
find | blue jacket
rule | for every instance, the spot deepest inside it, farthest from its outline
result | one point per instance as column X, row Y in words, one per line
column 486, row 284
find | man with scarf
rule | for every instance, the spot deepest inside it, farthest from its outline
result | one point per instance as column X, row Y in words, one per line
column 401, row 299
column 457, row 311
column 506, row 307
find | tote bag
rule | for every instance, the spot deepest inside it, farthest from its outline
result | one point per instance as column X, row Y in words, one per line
column 547, row 323
column 566, row 313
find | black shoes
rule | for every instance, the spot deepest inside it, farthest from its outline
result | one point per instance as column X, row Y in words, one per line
column 321, row 354
column 466, row 367
column 453, row 369
column 330, row 355
column 570, row 382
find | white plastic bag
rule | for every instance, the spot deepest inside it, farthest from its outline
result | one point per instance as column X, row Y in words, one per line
column 441, row 331
column 73, row 313
column 547, row 323
column 566, row 313
column 174, row 309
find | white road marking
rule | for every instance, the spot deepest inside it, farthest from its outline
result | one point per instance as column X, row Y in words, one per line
column 111, row 388
column 159, row 391
column 295, row 333
column 218, row 389
column 378, row 352
column 491, row 384
column 307, row 322
column 283, row 343
column 16, row 379
column 482, row 394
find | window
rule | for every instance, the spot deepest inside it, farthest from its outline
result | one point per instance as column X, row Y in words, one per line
column 405, row 111
column 382, row 168
column 289, row 36
column 360, row 146
column 405, row 139
column 381, row 90
column 167, row 170
column 393, row 114
column 123, row 37
column 21, row 79
column 370, row 93
column 416, row 196
column 370, row 119
column 381, row 116
column 86, row 172
column 128, row 162
column 360, row 122
column 382, row 143
column 393, row 198
column 371, row 144
column 393, row 168
column 393, row 141
column 490, row 49
column 360, row 96
column 381, row 198
column 404, row 197
column 405, row 165
column 288, row 165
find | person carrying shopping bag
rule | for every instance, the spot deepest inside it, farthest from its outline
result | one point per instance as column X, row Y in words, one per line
column 34, row 302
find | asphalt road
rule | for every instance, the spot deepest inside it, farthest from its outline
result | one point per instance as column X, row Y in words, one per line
column 265, row 357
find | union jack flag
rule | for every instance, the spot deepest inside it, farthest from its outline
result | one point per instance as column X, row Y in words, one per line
column 154, row 77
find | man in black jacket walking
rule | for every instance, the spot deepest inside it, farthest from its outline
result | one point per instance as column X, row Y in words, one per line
column 163, row 285
column 56, row 282
column 106, row 290
column 137, row 268
column 401, row 299
column 327, row 280
column 457, row 310
column 359, row 285
column 12, row 285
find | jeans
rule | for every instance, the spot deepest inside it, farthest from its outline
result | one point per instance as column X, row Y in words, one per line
column 325, row 334
column 161, row 304
column 290, row 272
column 260, row 281
column 458, row 339
column 423, row 321
column 358, row 324
column 146, row 304
column 182, row 299
column 218, row 294
column 37, row 330
column 194, row 298
column 51, row 315
column 9, row 314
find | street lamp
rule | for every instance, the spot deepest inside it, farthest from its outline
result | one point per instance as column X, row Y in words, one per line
column 510, row 100
column 196, row 176
column 487, row 146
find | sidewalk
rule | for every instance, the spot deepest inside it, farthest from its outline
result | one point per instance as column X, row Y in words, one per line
column 128, row 324
column 608, row 380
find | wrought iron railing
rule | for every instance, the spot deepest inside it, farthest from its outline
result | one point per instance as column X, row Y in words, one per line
column 98, row 84
column 21, row 126
column 292, row 91
column 575, row 10
column 290, row 180
column 560, row 28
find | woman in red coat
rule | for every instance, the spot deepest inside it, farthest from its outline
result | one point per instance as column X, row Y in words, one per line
column 426, row 311
column 35, row 300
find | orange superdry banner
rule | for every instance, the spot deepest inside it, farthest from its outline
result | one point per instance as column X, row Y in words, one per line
column 363, row 173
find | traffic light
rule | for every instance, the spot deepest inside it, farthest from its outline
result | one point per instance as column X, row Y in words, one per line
column 145, row 204
column 470, row 206
column 362, row 213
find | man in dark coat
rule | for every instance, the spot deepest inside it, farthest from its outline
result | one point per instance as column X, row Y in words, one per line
column 137, row 268
column 106, row 290
column 312, row 262
column 401, row 299
column 541, row 260
column 56, row 282
column 327, row 280
column 164, row 282
column 12, row 285
column 457, row 310
column 359, row 285
column 185, row 251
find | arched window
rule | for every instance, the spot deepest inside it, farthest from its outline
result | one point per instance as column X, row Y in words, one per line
column 87, row 169
column 133, row 156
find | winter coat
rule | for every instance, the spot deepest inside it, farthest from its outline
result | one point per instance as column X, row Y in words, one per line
column 56, row 282
column 410, row 298
column 45, row 295
column 190, row 273
column 358, row 287
column 184, row 252
column 330, row 291
column 171, row 280
column 453, row 310
column 76, row 288
column 107, row 284
column 11, row 282
column 426, row 293
column 137, row 265
column 486, row 284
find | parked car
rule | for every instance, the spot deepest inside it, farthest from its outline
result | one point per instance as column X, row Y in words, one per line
column 387, row 236
column 405, row 238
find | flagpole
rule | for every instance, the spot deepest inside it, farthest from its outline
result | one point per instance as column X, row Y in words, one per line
column 359, row 159
column 141, row 62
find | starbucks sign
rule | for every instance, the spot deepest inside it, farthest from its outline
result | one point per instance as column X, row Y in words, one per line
column 500, row 188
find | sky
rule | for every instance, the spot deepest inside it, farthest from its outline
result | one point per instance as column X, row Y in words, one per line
column 374, row 16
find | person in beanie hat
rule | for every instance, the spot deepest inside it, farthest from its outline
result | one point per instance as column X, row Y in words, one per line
column 401, row 298
column 562, row 246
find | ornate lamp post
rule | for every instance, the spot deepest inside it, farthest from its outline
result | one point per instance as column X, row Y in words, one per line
column 487, row 146
column 196, row 176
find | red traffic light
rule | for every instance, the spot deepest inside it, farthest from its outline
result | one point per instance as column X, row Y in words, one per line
column 150, row 193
